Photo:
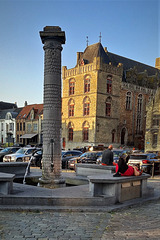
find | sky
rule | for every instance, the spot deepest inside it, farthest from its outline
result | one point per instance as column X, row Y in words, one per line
column 129, row 28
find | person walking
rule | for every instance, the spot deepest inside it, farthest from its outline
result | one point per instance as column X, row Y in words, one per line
column 107, row 156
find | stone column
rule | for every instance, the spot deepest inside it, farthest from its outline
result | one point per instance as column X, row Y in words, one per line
column 52, row 38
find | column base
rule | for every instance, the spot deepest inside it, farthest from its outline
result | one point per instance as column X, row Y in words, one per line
column 51, row 183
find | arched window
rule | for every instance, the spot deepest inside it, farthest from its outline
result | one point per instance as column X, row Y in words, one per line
column 108, row 106
column 71, row 108
column 128, row 100
column 85, row 131
column 70, row 131
column 139, row 114
column 109, row 84
column 71, row 86
column 86, row 106
column 87, row 84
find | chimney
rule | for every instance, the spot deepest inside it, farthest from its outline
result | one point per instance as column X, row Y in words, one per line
column 157, row 64
column 25, row 103
column 79, row 54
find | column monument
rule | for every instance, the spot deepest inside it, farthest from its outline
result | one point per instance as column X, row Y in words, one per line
column 52, row 37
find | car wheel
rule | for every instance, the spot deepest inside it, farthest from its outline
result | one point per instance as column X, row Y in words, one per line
column 19, row 160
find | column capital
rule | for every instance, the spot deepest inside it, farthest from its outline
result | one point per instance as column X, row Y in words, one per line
column 52, row 33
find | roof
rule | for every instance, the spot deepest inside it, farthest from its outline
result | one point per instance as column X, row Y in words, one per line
column 6, row 105
column 97, row 50
column 14, row 112
column 25, row 112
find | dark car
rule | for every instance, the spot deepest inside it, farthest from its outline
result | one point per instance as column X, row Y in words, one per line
column 36, row 158
column 87, row 157
column 144, row 161
column 116, row 154
column 8, row 150
column 67, row 155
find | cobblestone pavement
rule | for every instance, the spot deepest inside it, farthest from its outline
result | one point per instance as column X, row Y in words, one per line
column 141, row 222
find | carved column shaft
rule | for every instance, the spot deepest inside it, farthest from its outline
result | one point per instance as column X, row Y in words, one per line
column 52, row 37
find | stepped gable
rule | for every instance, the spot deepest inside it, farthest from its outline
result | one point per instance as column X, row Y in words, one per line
column 6, row 105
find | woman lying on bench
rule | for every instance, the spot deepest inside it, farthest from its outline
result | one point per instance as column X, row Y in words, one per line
column 122, row 169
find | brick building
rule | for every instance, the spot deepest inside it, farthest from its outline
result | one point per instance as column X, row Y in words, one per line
column 104, row 99
column 29, row 125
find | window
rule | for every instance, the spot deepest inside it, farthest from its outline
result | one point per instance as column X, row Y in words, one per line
column 11, row 126
column 155, row 137
column 108, row 106
column 8, row 116
column 17, row 126
column 35, row 128
column 28, row 127
column 155, row 121
column 71, row 108
column 113, row 136
column 71, row 86
column 85, row 131
column 86, row 106
column 17, row 138
column 139, row 114
column 2, row 126
column 70, row 131
column 128, row 101
column 87, row 84
column 109, row 84
column 24, row 126
column 20, row 126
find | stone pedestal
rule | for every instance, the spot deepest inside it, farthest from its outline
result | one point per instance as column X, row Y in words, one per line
column 52, row 38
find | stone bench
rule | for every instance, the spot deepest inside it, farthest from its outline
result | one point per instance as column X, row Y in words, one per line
column 83, row 169
column 17, row 168
column 119, row 189
column 6, row 183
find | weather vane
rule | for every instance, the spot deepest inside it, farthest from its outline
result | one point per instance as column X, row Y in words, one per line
column 100, row 37
column 87, row 41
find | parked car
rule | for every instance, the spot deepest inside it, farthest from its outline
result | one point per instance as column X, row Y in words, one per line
column 143, row 161
column 116, row 154
column 8, row 150
column 67, row 155
column 19, row 155
column 36, row 158
column 87, row 157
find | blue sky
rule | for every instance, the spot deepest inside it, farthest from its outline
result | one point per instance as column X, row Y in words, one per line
column 129, row 28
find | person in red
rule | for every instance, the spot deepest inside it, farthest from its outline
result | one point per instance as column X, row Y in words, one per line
column 122, row 169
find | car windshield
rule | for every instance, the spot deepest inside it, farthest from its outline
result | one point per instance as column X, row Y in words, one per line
column 88, row 154
column 21, row 151
column 5, row 150
column 99, row 154
column 63, row 152
column 117, row 153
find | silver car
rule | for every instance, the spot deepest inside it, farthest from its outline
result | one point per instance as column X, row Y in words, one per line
column 19, row 155
column 143, row 161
